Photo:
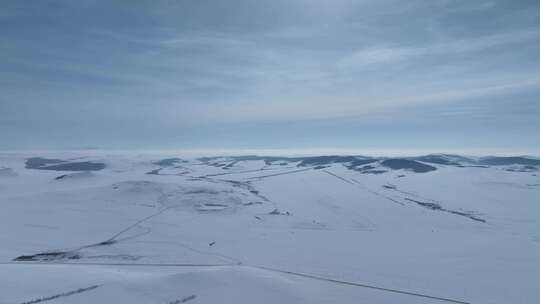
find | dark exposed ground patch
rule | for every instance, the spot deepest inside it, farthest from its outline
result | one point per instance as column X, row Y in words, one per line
column 515, row 160
column 302, row 161
column 326, row 160
column 355, row 165
column 527, row 168
column 61, row 165
column 62, row 255
column 37, row 162
column 473, row 166
column 49, row 256
column 277, row 212
column 168, row 162
column 230, row 165
column 437, row 207
column 267, row 158
column 437, row 159
column 399, row 163
column 431, row 206
column 106, row 243
column 203, row 191
column 416, row 164
column 60, row 295
column 320, row 167
column 76, row 166
column 215, row 205
column 73, row 175
column 359, row 162
column 154, row 172
column 184, row 300
column 367, row 169
column 373, row 172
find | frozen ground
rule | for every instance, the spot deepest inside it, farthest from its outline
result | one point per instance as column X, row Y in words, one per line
column 130, row 228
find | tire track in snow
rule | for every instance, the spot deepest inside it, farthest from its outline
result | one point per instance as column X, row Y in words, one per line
column 432, row 206
column 353, row 182
column 61, row 295
column 137, row 223
column 121, row 264
column 288, row 272
column 369, row 286
column 339, row 177
column 74, row 253
column 245, row 171
column 281, row 173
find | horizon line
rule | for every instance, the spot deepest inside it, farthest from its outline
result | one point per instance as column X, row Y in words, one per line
column 375, row 152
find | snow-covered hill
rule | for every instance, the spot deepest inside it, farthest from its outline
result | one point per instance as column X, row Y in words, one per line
column 131, row 228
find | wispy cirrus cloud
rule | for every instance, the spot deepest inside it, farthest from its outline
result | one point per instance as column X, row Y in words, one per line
column 389, row 54
column 218, row 70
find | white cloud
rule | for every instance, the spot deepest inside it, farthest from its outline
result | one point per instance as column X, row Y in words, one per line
column 392, row 54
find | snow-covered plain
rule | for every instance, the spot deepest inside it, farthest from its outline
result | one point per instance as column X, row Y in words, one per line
column 139, row 228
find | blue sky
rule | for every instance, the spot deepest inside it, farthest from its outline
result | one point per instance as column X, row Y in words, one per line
column 436, row 75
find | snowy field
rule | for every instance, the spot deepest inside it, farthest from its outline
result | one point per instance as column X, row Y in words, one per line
column 99, row 227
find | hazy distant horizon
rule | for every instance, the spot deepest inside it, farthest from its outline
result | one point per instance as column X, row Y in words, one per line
column 276, row 152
